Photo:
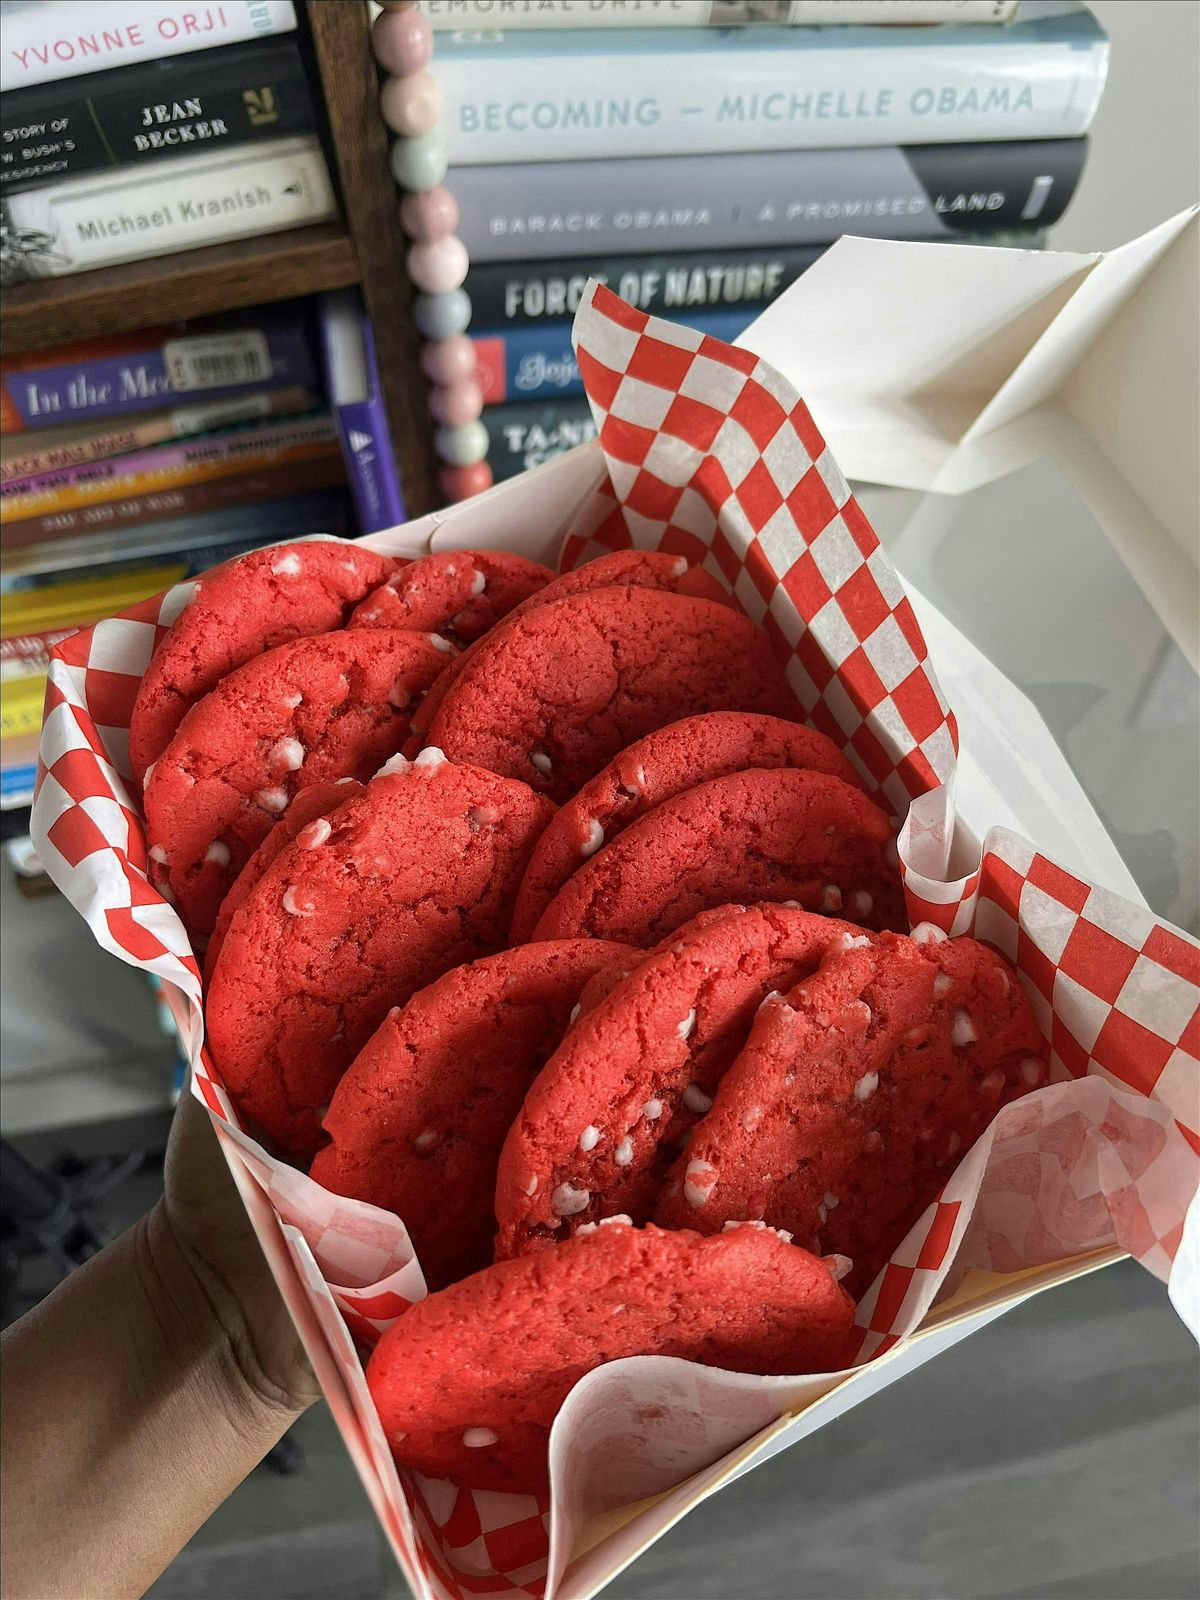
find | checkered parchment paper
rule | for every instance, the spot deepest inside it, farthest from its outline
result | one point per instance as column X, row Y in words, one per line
column 711, row 455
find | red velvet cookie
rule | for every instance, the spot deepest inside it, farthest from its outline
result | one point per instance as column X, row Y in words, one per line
column 552, row 696
column 640, row 1068
column 459, row 593
column 643, row 569
column 413, row 877
column 418, row 1120
column 654, row 769
column 240, row 610
column 310, row 805
column 468, row 1382
column 855, row 1096
column 333, row 706
column 780, row 834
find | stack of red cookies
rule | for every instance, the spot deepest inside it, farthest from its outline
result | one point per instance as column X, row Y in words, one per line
column 534, row 914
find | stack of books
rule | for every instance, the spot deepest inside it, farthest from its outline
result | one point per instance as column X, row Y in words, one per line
column 698, row 169
column 133, row 462
column 135, row 128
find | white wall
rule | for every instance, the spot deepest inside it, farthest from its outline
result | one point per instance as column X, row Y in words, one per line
column 1145, row 159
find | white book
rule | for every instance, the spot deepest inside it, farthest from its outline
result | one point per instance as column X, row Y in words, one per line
column 451, row 15
column 181, row 204
column 585, row 94
column 41, row 42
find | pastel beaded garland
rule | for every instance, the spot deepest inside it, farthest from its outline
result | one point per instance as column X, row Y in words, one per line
column 460, row 483
column 464, row 445
column 402, row 42
column 419, row 163
column 439, row 266
column 429, row 216
column 456, row 404
column 410, row 103
column 449, row 360
column 439, row 316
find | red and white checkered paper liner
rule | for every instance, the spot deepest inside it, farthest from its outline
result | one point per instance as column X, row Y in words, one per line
column 710, row 454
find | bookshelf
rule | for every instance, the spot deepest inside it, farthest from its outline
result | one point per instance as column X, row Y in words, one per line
column 365, row 248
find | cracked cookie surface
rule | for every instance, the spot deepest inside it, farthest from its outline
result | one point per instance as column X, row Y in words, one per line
column 457, row 593
column 413, row 877
column 417, row 1122
column 467, row 1383
column 641, row 1066
column 654, row 769
column 309, row 711
column 310, row 805
column 781, row 834
column 856, row 1096
column 553, row 696
column 643, row 569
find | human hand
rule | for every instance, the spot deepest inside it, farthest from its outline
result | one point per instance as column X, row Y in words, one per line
column 205, row 1226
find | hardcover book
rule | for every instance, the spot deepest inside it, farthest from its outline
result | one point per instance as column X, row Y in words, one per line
column 530, row 363
column 530, row 432
column 43, row 538
column 584, row 94
column 75, row 446
column 177, row 106
column 932, row 191
column 225, row 455
column 42, row 42
column 529, row 292
column 163, row 208
column 507, row 14
column 154, row 368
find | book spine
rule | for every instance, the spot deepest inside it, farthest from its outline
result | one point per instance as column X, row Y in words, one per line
column 606, row 94
column 220, row 457
column 91, row 386
column 73, row 37
column 532, row 363
column 528, row 433
column 128, row 511
column 159, row 109
column 445, row 15
column 363, row 427
column 178, row 424
column 531, row 292
column 812, row 197
column 170, row 206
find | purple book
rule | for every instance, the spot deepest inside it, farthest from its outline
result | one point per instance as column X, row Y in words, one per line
column 152, row 370
column 352, row 385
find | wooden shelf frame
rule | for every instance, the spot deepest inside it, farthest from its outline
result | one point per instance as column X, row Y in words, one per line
column 367, row 248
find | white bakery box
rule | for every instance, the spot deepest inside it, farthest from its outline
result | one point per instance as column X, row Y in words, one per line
column 929, row 368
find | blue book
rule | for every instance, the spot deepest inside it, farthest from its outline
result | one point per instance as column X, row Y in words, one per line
column 585, row 93
column 352, row 385
column 536, row 362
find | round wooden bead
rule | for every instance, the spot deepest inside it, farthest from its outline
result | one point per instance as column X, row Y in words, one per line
column 460, row 483
column 462, row 446
column 439, row 266
column 440, row 316
column 456, row 404
column 419, row 163
column 402, row 41
column 411, row 105
column 449, row 361
column 429, row 216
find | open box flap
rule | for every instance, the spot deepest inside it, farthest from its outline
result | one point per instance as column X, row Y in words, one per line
column 943, row 369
